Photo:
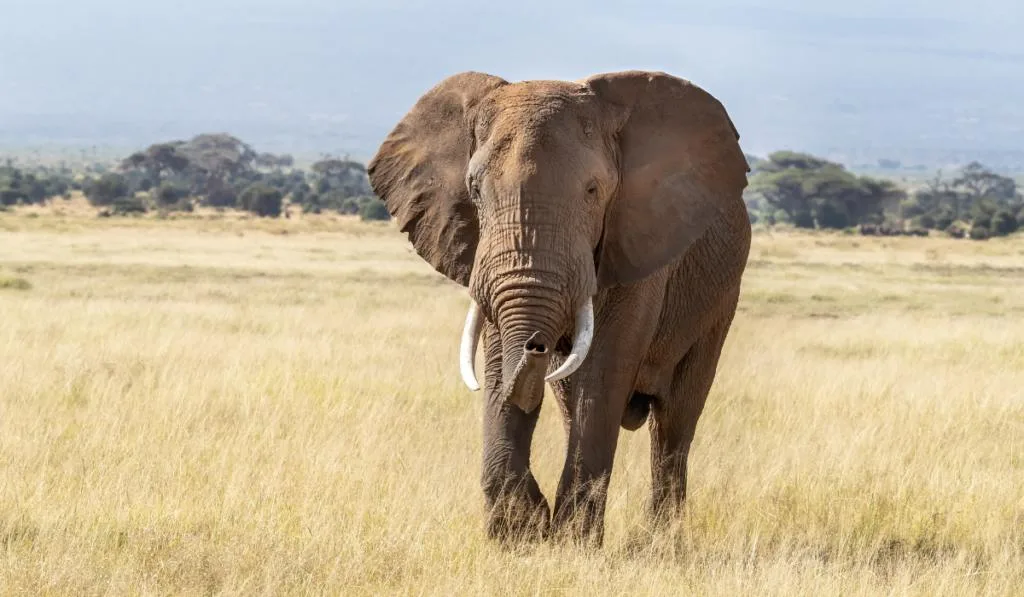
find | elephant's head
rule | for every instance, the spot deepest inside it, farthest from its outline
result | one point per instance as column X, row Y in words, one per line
column 537, row 194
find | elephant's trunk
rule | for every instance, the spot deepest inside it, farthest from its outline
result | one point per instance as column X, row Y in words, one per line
column 526, row 357
column 524, row 385
column 529, row 325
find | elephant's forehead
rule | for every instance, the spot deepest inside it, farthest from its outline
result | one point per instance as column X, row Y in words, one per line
column 535, row 103
column 537, row 115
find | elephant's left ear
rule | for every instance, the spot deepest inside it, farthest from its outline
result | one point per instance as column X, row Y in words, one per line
column 680, row 166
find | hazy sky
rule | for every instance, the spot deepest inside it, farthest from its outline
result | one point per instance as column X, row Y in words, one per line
column 793, row 73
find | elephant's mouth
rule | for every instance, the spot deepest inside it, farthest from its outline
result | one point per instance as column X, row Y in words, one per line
column 525, row 386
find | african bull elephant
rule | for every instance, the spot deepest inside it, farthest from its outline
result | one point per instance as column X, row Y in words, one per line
column 600, row 230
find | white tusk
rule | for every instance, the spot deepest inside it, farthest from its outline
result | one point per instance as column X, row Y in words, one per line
column 580, row 344
column 467, row 350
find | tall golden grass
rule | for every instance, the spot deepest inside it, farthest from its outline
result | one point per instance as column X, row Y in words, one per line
column 248, row 407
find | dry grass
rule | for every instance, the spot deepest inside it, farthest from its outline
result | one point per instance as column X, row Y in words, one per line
column 223, row 406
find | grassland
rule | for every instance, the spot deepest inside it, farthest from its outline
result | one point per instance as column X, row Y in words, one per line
column 221, row 406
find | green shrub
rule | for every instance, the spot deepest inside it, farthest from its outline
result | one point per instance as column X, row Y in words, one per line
column 221, row 196
column 1004, row 223
column 803, row 219
column 926, row 221
column 169, row 194
column 128, row 206
column 107, row 189
column 350, row 206
column 10, row 196
column 262, row 200
column 944, row 220
column 911, row 207
column 979, row 232
column 374, row 210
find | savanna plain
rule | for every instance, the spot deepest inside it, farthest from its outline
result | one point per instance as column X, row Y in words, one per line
column 216, row 405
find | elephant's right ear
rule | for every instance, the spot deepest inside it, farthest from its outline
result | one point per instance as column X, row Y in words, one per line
column 419, row 172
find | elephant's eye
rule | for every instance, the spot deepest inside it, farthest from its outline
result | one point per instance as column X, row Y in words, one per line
column 474, row 190
column 592, row 189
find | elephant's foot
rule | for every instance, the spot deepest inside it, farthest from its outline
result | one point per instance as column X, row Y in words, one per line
column 665, row 509
column 517, row 513
column 513, row 523
column 668, row 488
column 579, row 515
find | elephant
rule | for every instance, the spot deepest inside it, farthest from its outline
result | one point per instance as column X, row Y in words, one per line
column 600, row 231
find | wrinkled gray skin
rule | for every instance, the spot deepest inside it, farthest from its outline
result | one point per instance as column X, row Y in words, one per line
column 624, row 187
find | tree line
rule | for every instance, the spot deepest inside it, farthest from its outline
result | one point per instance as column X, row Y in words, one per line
column 214, row 170
column 810, row 192
column 786, row 187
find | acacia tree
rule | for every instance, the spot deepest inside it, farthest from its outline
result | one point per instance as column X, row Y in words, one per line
column 158, row 161
column 978, row 182
column 814, row 192
column 985, row 202
column 269, row 161
column 344, row 175
column 217, row 159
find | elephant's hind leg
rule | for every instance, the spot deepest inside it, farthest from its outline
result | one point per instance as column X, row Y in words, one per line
column 674, row 420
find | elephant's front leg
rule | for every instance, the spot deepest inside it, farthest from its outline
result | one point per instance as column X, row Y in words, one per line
column 517, row 510
column 594, row 400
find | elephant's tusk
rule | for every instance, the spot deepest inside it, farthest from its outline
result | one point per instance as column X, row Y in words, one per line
column 467, row 349
column 580, row 344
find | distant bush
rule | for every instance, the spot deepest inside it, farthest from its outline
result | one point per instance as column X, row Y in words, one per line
column 956, row 230
column 128, row 206
column 944, row 220
column 221, row 196
column 169, row 194
column 300, row 194
column 1004, row 223
column 979, row 232
column 31, row 187
column 926, row 221
column 107, row 189
column 262, row 200
column 375, row 210
column 350, row 206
